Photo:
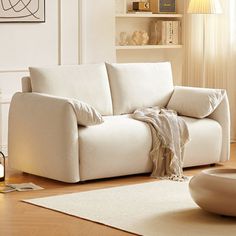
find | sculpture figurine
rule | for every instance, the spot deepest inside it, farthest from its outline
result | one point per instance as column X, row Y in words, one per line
column 139, row 38
column 123, row 39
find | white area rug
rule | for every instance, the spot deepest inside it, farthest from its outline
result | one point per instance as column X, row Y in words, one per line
column 161, row 208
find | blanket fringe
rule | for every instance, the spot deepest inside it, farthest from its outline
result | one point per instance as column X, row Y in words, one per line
column 176, row 178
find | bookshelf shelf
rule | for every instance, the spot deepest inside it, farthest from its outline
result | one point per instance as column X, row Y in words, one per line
column 148, row 47
column 165, row 32
column 145, row 15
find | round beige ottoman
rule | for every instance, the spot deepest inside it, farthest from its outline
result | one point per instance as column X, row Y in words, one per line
column 215, row 191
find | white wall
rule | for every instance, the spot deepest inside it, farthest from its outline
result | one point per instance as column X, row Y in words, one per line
column 75, row 31
column 98, row 31
column 36, row 44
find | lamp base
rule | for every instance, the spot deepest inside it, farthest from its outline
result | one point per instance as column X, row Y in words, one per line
column 2, row 167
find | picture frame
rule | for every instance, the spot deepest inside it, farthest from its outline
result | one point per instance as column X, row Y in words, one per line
column 22, row 11
column 166, row 6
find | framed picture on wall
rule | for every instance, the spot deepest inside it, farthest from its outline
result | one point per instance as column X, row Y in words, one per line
column 12, row 11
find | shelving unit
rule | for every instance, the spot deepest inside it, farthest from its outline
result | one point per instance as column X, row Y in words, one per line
column 131, row 22
column 145, row 15
column 130, row 47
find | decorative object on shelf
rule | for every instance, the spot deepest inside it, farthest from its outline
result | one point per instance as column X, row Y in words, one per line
column 165, row 32
column 123, row 39
column 139, row 38
column 22, row 11
column 141, row 6
column 2, row 167
column 155, row 33
column 154, row 6
column 163, row 6
column 204, row 7
column 149, row 22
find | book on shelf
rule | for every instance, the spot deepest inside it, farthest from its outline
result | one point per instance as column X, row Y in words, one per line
column 176, row 32
column 166, row 6
column 163, row 6
column 170, row 32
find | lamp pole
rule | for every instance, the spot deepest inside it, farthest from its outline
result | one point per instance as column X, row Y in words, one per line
column 203, row 52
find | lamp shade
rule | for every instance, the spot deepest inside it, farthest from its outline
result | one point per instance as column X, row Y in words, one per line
column 204, row 7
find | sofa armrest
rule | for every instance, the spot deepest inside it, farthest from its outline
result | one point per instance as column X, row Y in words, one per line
column 222, row 115
column 43, row 136
column 204, row 103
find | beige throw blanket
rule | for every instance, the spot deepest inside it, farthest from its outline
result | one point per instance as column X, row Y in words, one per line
column 169, row 135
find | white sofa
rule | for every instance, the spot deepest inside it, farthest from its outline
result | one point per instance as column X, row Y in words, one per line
column 45, row 139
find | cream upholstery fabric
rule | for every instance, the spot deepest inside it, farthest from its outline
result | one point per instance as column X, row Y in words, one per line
column 26, row 85
column 195, row 102
column 86, row 115
column 205, row 142
column 222, row 116
column 120, row 146
column 43, row 137
column 139, row 85
column 88, row 83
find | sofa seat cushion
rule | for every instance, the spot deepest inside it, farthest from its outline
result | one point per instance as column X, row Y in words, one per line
column 121, row 146
column 205, row 142
column 87, row 83
column 137, row 85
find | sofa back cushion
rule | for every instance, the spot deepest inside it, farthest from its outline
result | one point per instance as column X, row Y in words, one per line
column 137, row 85
column 26, row 84
column 87, row 83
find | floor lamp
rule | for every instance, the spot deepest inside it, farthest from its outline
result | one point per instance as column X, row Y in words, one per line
column 2, row 167
column 204, row 7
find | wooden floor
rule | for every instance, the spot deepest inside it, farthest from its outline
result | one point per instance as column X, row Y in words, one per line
column 18, row 218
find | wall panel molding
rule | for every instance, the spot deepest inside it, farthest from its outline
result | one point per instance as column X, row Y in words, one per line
column 97, row 22
column 21, row 46
column 13, row 69
column 5, row 99
column 82, row 31
column 69, row 32
column 4, row 149
column 59, row 31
